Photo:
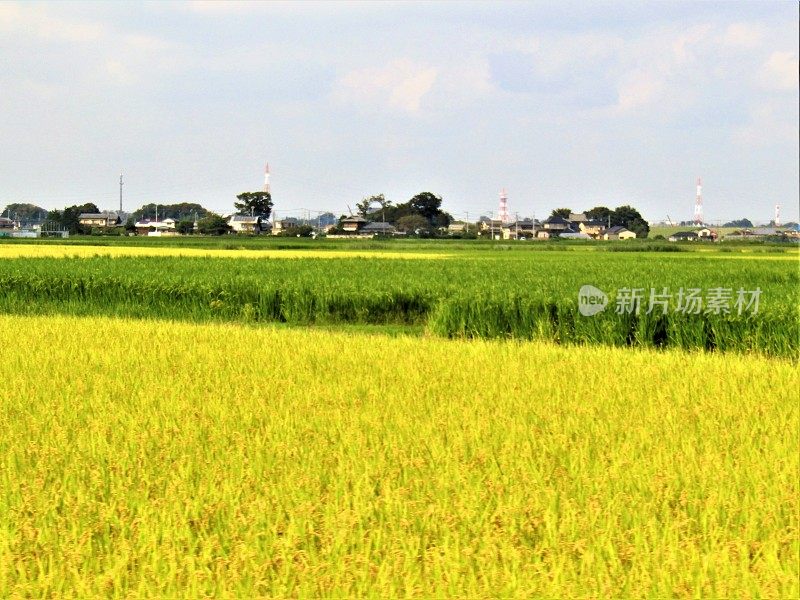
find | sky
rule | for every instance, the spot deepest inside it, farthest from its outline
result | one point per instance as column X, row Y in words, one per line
column 563, row 104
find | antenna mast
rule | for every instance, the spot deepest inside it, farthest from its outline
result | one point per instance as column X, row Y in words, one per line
column 120, row 192
column 503, row 212
column 266, row 178
column 698, row 203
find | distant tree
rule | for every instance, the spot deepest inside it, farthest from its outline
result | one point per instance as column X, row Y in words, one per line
column 326, row 219
column 629, row 217
column 213, row 224
column 185, row 226
column 561, row 212
column 181, row 210
column 412, row 223
column 599, row 213
column 130, row 225
column 298, row 231
column 69, row 218
column 258, row 204
column 367, row 205
column 24, row 212
column 426, row 204
column 746, row 223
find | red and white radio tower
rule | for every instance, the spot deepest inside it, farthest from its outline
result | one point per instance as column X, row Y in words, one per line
column 777, row 215
column 503, row 212
column 266, row 178
column 698, row 203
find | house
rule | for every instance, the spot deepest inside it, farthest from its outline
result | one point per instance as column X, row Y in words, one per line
column 378, row 228
column 592, row 227
column 353, row 224
column 683, row 236
column 278, row 226
column 519, row 230
column 154, row 228
column 105, row 219
column 618, row 232
column 6, row 223
column 577, row 218
column 492, row 226
column 556, row 224
column 457, row 227
column 705, row 232
column 245, row 224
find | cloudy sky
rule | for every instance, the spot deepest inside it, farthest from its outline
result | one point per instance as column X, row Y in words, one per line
column 563, row 104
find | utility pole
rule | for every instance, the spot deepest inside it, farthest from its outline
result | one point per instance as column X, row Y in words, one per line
column 120, row 192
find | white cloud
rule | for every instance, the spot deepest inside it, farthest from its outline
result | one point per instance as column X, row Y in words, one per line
column 774, row 121
column 638, row 89
column 682, row 47
column 37, row 21
column 743, row 35
column 400, row 85
column 780, row 71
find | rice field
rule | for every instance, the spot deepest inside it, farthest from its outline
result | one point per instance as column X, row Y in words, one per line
column 489, row 294
column 178, row 251
column 287, row 420
column 152, row 458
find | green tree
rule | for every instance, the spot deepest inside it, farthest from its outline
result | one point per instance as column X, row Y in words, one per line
column 213, row 224
column 746, row 223
column 426, row 204
column 130, row 225
column 298, row 231
column 69, row 218
column 258, row 204
column 412, row 223
column 600, row 213
column 184, row 226
column 561, row 212
column 24, row 212
column 181, row 210
column 366, row 205
column 629, row 217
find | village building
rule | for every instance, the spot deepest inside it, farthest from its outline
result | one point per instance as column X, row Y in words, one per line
column 593, row 228
column 683, row 236
column 105, row 219
column 618, row 232
column 245, row 224
column 379, row 228
column 353, row 224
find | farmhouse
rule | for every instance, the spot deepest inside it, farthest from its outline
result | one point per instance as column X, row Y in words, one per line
column 281, row 225
column 519, row 230
column 245, row 224
column 105, row 219
column 556, row 224
column 353, row 224
column 458, row 227
column 593, row 228
column 148, row 227
column 618, row 232
column 378, row 228
column 6, row 223
column 683, row 236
